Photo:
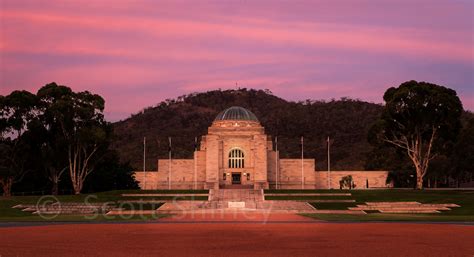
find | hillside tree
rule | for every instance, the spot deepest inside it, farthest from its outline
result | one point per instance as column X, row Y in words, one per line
column 421, row 118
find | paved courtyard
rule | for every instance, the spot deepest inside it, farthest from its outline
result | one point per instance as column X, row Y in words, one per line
column 285, row 238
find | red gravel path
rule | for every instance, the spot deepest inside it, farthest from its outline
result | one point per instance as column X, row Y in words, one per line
column 239, row 239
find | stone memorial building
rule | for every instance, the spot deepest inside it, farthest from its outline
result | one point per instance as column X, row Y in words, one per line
column 236, row 153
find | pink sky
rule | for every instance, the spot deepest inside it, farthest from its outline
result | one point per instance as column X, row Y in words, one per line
column 138, row 53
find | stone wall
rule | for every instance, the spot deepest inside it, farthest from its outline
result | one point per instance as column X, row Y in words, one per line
column 376, row 179
column 182, row 174
column 290, row 173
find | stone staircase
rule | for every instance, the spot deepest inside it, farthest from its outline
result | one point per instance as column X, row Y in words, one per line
column 236, row 200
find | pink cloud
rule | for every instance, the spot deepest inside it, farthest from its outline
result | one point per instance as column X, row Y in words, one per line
column 137, row 53
column 368, row 38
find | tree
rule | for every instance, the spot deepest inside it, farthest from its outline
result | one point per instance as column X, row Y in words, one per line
column 52, row 100
column 81, row 123
column 346, row 182
column 463, row 160
column 420, row 118
column 110, row 174
column 395, row 160
column 17, row 110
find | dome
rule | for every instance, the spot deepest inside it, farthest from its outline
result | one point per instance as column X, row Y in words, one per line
column 236, row 113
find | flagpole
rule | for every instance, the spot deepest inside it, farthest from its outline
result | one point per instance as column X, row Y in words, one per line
column 302, row 167
column 169, row 164
column 329, row 164
column 276, row 162
column 195, row 163
column 144, row 162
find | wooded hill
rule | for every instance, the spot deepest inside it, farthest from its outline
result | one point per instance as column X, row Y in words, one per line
column 346, row 121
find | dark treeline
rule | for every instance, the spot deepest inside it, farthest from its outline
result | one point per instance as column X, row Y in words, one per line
column 57, row 141
column 346, row 121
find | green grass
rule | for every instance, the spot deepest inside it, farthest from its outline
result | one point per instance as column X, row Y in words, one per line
column 296, row 191
column 177, row 191
column 332, row 206
column 139, row 206
column 464, row 198
column 161, row 198
column 113, row 197
column 307, row 197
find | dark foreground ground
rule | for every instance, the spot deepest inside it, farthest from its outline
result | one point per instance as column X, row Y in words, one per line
column 280, row 236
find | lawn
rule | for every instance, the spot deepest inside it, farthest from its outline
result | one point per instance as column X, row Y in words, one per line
column 113, row 197
column 464, row 198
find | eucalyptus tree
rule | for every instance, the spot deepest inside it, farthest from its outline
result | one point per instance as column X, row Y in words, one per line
column 421, row 118
column 52, row 99
column 463, row 160
column 78, row 120
column 17, row 111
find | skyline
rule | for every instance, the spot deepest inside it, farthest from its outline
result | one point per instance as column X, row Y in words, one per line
column 138, row 53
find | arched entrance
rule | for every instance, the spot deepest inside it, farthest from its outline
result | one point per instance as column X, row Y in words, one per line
column 236, row 162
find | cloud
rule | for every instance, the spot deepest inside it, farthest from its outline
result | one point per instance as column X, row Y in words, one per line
column 141, row 52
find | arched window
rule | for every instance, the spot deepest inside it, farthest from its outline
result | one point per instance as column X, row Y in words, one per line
column 236, row 159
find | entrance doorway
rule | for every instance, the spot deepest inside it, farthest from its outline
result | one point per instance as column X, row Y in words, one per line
column 236, row 178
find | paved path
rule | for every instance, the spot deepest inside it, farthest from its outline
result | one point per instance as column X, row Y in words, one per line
column 237, row 239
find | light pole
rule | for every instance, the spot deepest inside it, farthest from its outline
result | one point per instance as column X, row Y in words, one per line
column 302, row 162
column 144, row 162
column 329, row 164
column 276, row 162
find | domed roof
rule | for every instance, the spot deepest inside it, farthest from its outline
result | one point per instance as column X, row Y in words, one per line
column 236, row 113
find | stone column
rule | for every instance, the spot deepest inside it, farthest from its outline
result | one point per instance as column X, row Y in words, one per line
column 212, row 162
column 260, row 155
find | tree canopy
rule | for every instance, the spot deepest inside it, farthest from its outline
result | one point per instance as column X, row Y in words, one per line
column 421, row 118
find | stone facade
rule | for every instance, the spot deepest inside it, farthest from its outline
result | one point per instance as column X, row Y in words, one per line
column 236, row 152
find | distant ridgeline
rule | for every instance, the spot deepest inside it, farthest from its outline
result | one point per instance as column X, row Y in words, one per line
column 345, row 121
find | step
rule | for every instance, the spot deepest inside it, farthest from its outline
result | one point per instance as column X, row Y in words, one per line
column 392, row 203
column 172, row 195
column 419, row 211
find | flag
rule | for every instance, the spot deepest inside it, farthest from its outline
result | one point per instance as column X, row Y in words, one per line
column 169, row 146
column 301, row 143
column 195, row 144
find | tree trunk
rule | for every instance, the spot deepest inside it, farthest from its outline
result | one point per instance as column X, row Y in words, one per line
column 79, row 166
column 77, row 187
column 419, row 182
column 7, row 186
column 55, row 189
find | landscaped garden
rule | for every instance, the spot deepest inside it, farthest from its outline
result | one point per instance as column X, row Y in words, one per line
column 109, row 199
column 326, row 201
